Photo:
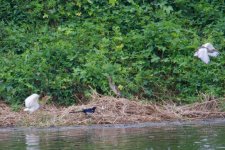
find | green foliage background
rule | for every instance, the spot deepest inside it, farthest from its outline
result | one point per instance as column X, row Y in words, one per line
column 65, row 48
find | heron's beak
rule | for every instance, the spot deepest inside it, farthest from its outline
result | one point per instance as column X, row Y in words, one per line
column 44, row 100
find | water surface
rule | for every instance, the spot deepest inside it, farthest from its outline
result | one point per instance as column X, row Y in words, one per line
column 203, row 135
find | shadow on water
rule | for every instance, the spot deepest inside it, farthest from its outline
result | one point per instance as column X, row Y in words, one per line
column 147, row 136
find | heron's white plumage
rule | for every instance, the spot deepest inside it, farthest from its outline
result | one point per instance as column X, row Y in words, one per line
column 203, row 55
column 214, row 54
column 205, row 51
column 31, row 103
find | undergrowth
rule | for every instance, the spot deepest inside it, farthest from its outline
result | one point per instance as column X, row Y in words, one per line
column 66, row 49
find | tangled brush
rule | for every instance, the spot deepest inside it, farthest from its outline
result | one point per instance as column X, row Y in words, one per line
column 111, row 110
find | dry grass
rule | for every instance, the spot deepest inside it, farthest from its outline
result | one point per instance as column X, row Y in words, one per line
column 7, row 117
column 109, row 110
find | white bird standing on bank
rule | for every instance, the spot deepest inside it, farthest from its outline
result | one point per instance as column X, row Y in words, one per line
column 205, row 51
column 31, row 103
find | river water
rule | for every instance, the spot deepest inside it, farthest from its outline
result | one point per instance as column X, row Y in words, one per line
column 199, row 135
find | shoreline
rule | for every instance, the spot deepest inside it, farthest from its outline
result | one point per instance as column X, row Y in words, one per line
column 200, row 122
column 111, row 111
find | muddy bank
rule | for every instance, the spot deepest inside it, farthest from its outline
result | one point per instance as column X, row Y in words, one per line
column 162, row 124
column 110, row 111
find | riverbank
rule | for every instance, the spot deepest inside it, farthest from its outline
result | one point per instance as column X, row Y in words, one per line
column 110, row 110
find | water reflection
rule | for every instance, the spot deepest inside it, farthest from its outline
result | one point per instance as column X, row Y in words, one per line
column 86, row 138
column 32, row 142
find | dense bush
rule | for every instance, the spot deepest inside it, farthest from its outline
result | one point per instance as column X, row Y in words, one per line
column 65, row 48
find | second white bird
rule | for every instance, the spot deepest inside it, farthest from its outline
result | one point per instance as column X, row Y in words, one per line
column 205, row 51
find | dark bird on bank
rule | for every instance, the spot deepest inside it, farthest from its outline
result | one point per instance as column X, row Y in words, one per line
column 86, row 111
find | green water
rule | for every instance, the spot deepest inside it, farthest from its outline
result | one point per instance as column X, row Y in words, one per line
column 153, row 137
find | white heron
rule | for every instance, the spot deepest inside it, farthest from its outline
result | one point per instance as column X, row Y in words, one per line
column 205, row 51
column 31, row 103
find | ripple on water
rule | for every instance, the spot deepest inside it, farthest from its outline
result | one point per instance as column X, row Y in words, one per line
column 171, row 136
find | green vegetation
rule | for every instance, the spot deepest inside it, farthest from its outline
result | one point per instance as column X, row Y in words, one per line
column 66, row 48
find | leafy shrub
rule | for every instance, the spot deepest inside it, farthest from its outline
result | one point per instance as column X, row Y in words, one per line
column 64, row 49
